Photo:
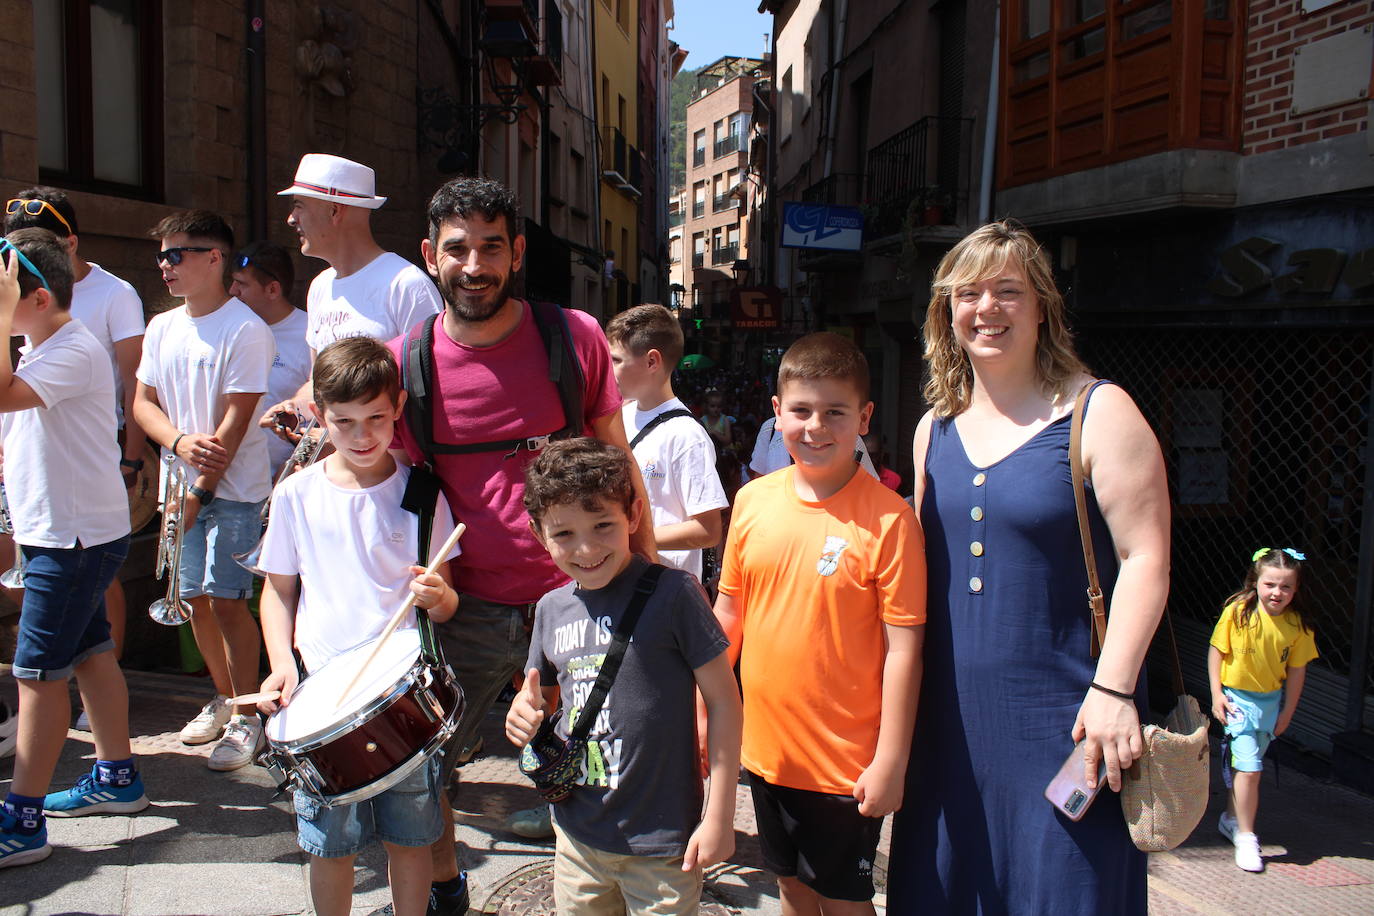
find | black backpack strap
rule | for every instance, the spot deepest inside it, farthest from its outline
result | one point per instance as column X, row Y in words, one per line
column 661, row 418
column 417, row 371
column 620, row 641
column 421, row 497
column 565, row 368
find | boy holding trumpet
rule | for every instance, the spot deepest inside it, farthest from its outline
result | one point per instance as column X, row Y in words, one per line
column 205, row 366
column 339, row 559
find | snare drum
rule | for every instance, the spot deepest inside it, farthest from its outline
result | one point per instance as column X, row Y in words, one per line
column 398, row 716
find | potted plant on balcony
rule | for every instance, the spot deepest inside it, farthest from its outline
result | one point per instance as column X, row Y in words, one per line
column 934, row 205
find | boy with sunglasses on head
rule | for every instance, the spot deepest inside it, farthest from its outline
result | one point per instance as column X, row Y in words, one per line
column 205, row 367
column 56, row 412
column 262, row 279
column 112, row 311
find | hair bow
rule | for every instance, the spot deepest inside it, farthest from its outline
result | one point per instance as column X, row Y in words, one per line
column 1254, row 558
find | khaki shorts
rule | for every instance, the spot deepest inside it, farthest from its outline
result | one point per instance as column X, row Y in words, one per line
column 589, row 882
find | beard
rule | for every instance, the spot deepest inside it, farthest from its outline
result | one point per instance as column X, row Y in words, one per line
column 472, row 309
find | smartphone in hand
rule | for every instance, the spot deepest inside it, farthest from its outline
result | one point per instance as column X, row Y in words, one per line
column 1069, row 791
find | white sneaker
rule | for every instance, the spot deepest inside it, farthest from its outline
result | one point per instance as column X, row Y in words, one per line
column 242, row 736
column 1247, row 852
column 83, row 722
column 211, row 720
column 1227, row 827
column 9, row 729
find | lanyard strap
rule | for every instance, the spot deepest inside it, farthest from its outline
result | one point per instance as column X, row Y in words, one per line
column 620, row 641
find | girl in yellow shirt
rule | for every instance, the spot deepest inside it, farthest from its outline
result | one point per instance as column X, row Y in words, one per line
column 1258, row 658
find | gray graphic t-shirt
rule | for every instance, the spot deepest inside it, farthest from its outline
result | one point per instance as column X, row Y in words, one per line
column 640, row 792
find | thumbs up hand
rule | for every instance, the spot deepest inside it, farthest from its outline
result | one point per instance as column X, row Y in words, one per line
column 526, row 711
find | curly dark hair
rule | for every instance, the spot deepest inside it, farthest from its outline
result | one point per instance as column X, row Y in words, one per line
column 465, row 196
column 585, row 471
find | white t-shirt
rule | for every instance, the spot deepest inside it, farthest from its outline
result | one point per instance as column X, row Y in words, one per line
column 290, row 369
column 382, row 300
column 770, row 452
column 111, row 310
column 62, row 460
column 193, row 363
column 352, row 550
column 678, row 463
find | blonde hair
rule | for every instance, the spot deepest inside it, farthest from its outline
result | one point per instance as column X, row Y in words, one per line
column 981, row 254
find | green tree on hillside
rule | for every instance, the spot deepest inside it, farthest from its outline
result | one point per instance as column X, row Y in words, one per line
column 681, row 93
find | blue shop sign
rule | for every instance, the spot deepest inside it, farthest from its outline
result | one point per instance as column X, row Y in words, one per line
column 822, row 226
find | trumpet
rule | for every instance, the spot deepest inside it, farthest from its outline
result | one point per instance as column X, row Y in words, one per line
column 307, row 452
column 172, row 609
column 12, row 578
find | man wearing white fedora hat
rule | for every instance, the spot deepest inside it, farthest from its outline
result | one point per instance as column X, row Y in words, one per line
column 364, row 291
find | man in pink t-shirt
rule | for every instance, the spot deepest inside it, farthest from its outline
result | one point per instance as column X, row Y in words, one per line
column 490, row 384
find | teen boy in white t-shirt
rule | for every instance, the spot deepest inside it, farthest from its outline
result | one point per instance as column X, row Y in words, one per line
column 263, row 277
column 205, row 367
column 57, row 413
column 340, row 555
column 676, row 456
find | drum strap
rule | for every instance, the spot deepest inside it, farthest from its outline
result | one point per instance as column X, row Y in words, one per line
column 620, row 641
column 421, row 497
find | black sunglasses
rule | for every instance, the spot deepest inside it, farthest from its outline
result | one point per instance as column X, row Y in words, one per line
column 173, row 256
column 244, row 260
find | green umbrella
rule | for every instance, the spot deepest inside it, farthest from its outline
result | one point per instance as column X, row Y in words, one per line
column 696, row 361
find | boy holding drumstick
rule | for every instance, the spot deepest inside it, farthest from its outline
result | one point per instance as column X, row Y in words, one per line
column 337, row 532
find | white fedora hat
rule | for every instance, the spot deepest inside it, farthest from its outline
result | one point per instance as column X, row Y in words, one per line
column 335, row 179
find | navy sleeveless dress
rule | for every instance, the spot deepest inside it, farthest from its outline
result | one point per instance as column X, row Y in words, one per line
column 1007, row 665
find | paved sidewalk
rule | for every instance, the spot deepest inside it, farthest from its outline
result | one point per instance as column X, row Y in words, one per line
column 220, row 845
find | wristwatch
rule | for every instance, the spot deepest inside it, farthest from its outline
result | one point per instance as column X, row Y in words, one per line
column 205, row 496
column 133, row 464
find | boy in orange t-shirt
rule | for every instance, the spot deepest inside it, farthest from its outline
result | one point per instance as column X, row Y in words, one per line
column 824, row 582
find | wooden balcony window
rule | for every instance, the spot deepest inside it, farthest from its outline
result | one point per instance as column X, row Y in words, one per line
column 1086, row 83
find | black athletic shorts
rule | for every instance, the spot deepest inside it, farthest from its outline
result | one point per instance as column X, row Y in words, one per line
column 820, row 839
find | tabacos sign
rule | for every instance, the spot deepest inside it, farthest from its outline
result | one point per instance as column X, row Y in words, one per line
column 1257, row 262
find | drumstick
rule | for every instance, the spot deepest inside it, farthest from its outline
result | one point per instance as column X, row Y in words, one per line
column 253, row 698
column 396, row 618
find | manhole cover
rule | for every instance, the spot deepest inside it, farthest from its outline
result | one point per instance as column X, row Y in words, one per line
column 529, row 892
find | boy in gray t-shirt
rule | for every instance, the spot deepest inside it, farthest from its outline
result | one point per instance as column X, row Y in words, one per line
column 639, row 793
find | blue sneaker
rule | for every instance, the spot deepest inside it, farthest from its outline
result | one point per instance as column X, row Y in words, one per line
column 90, row 797
column 19, row 848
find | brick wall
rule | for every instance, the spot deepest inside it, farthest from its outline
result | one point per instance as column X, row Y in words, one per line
column 205, row 95
column 1275, row 29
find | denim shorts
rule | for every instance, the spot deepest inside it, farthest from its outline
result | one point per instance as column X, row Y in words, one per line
column 407, row 814
column 485, row 644
column 1251, row 730
column 222, row 529
column 63, row 619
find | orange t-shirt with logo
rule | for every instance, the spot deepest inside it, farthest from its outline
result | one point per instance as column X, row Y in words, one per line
column 814, row 583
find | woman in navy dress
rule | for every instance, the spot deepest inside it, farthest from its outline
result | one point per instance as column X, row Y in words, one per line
column 1010, row 683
